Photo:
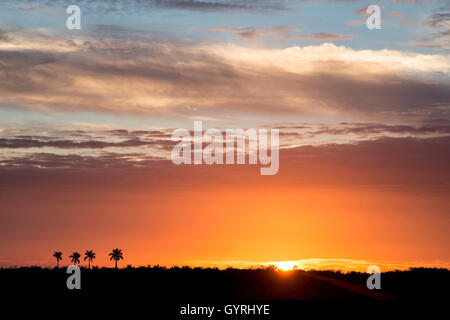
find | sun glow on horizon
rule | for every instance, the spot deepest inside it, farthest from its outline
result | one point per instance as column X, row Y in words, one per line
column 285, row 265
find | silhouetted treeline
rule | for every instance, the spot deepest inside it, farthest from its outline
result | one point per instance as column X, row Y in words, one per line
column 210, row 284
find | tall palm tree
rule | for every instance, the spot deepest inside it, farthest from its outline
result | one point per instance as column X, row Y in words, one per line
column 75, row 257
column 58, row 256
column 116, row 255
column 89, row 255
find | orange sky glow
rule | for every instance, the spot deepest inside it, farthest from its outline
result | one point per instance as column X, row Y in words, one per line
column 87, row 116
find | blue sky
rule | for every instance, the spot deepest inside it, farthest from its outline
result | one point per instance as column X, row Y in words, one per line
column 402, row 21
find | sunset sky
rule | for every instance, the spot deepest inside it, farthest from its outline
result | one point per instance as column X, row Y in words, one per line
column 86, row 118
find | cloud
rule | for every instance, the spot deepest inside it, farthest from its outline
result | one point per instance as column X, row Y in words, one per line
column 40, row 6
column 17, row 143
column 416, row 2
column 75, row 161
column 362, row 11
column 431, row 127
column 438, row 20
column 165, row 79
column 4, row 35
column 318, row 134
column 139, row 145
column 401, row 18
column 279, row 32
column 440, row 37
column 251, row 33
column 16, row 60
column 355, row 22
column 385, row 162
column 368, row 129
column 220, row 5
column 114, row 31
column 324, row 36
column 133, row 6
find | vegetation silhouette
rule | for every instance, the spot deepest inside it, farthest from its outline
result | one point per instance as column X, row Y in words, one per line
column 184, row 284
column 116, row 255
column 58, row 256
column 89, row 255
column 75, row 257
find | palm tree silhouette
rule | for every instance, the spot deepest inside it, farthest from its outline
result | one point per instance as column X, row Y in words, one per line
column 116, row 255
column 75, row 257
column 58, row 256
column 89, row 255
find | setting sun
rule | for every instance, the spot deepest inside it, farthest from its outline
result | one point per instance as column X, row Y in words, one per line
column 285, row 265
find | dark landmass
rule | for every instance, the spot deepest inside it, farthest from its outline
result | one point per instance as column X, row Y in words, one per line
column 186, row 285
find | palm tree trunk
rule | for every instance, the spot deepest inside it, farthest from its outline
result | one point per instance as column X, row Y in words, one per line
column 116, row 264
column 89, row 262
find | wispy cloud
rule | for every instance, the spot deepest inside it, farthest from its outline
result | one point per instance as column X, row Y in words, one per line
column 324, row 36
column 439, row 20
column 251, row 33
column 133, row 6
column 440, row 36
column 283, row 32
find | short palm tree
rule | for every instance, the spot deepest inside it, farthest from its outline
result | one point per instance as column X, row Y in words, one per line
column 116, row 255
column 75, row 257
column 89, row 255
column 58, row 256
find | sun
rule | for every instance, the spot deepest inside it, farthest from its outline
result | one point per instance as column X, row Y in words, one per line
column 285, row 265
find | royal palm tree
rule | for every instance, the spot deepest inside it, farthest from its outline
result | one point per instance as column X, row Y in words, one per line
column 75, row 257
column 58, row 256
column 116, row 255
column 89, row 255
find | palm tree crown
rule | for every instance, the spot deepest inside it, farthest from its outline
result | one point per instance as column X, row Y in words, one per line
column 58, row 256
column 75, row 257
column 90, row 256
column 116, row 255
